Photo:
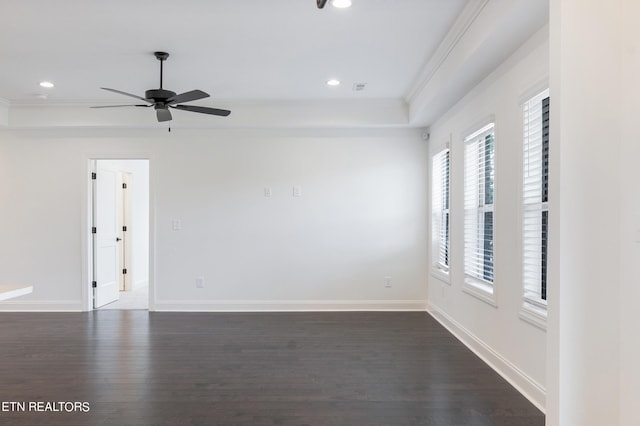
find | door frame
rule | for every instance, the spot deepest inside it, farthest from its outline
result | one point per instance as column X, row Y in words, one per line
column 124, row 219
column 86, row 290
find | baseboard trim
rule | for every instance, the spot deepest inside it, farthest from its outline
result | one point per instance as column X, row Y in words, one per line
column 528, row 387
column 230, row 305
column 289, row 305
column 41, row 306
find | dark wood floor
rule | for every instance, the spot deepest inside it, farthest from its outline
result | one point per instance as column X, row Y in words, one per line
column 140, row 368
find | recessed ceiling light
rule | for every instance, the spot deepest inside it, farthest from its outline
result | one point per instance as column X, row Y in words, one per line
column 333, row 82
column 46, row 84
column 341, row 4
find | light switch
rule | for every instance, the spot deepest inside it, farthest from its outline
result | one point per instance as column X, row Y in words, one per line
column 199, row 282
column 267, row 191
column 177, row 224
column 297, row 191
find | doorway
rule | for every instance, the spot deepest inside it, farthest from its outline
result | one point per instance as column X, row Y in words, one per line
column 119, row 249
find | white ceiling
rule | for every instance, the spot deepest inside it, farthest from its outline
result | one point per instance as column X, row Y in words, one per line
column 236, row 50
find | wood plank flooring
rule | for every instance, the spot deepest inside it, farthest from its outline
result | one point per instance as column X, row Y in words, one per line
column 347, row 368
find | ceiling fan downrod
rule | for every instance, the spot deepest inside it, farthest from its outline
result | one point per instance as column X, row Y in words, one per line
column 161, row 56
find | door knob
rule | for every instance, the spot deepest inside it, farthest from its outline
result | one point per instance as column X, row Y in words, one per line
column 118, row 239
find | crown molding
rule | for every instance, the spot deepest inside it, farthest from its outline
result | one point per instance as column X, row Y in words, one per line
column 348, row 113
column 450, row 41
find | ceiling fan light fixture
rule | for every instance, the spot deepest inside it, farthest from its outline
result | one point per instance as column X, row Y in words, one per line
column 47, row 84
column 341, row 4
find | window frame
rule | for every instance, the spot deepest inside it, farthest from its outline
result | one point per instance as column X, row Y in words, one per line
column 535, row 208
column 441, row 213
column 477, row 206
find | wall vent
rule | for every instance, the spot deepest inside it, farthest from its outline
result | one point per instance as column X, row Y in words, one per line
column 359, row 87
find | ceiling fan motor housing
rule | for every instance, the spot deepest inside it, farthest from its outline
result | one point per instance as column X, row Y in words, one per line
column 159, row 95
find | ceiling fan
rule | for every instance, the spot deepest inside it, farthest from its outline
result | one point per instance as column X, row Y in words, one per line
column 161, row 100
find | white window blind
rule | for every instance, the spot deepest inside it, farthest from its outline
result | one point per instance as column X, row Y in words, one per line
column 478, row 204
column 535, row 194
column 440, row 209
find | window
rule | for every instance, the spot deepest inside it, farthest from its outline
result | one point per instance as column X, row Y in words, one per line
column 478, row 208
column 535, row 197
column 440, row 210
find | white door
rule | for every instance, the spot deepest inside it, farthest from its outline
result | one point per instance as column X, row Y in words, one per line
column 106, row 239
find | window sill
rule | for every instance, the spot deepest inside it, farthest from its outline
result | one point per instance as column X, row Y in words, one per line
column 441, row 275
column 480, row 290
column 534, row 315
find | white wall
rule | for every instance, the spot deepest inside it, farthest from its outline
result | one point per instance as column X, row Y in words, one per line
column 514, row 347
column 593, row 345
column 361, row 216
column 41, row 212
column 630, row 216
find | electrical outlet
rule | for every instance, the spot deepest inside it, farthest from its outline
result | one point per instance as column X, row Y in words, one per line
column 267, row 192
column 297, row 191
column 199, row 282
column 387, row 282
column 176, row 224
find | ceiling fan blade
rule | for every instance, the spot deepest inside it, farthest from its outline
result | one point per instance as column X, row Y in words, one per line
column 127, row 94
column 118, row 106
column 203, row 110
column 163, row 114
column 192, row 95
